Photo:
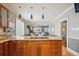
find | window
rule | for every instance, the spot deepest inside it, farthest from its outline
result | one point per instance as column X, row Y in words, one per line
column 19, row 28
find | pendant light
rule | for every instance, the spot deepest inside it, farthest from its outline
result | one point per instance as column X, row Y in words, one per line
column 31, row 16
column 43, row 12
column 42, row 16
column 20, row 12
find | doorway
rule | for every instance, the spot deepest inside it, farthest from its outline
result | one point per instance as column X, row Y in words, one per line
column 64, row 32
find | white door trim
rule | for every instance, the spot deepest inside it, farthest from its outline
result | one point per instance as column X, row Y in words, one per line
column 65, row 19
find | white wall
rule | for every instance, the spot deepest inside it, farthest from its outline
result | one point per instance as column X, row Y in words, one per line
column 57, row 28
column 73, row 27
column 73, row 22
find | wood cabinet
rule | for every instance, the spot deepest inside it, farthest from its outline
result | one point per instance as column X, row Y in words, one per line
column 6, row 18
column 3, row 16
column 12, row 21
column 56, row 47
column 6, row 48
column 4, row 51
column 12, row 48
column 45, row 48
column 32, row 48
column 18, row 48
column 21, row 48
column 1, row 50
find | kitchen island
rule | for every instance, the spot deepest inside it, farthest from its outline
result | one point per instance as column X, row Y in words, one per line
column 31, row 46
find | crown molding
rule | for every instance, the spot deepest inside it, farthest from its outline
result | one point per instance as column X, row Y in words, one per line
column 68, row 9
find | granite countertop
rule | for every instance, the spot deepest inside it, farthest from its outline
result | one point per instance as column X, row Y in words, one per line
column 35, row 38
column 4, row 40
column 30, row 38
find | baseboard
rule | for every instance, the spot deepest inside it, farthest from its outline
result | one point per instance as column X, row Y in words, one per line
column 73, row 52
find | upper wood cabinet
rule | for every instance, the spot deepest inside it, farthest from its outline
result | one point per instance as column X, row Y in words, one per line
column 3, row 16
column 12, row 21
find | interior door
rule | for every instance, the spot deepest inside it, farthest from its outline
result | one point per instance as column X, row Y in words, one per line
column 64, row 32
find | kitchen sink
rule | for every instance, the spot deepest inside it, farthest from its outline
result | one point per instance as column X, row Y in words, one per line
column 38, row 37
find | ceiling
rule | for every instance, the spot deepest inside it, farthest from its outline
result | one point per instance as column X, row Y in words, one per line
column 50, row 11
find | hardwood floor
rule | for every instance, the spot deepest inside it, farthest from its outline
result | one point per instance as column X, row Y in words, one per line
column 65, row 52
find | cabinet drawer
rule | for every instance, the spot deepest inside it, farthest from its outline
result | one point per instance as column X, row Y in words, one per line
column 40, row 42
column 56, row 42
column 56, row 53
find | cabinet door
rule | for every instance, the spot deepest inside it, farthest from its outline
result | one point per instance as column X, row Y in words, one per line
column 21, row 48
column 6, row 48
column 32, row 48
column 45, row 49
column 11, row 21
column 56, row 50
column 4, row 17
column 1, row 49
column 12, row 48
column 0, row 17
column 56, row 47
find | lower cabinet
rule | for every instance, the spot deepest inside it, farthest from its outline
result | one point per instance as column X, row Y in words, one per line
column 1, row 50
column 44, row 47
column 45, row 50
column 4, row 51
column 12, row 48
column 6, row 48
column 31, row 48
column 18, row 48
column 56, row 48
column 21, row 48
